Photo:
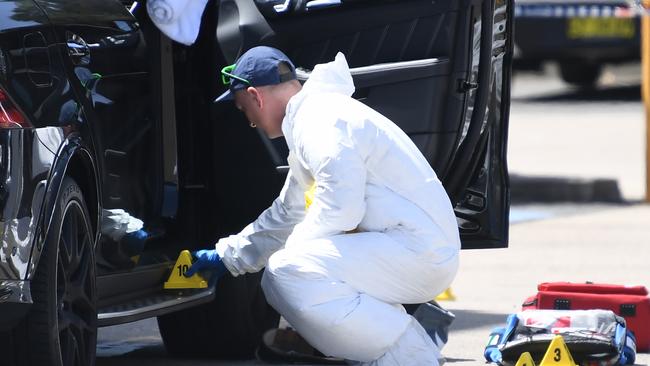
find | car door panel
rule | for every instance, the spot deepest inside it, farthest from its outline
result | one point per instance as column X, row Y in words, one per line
column 477, row 179
column 105, row 53
column 400, row 49
column 109, row 79
column 436, row 69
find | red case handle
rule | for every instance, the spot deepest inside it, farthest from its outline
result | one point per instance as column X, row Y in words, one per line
column 592, row 288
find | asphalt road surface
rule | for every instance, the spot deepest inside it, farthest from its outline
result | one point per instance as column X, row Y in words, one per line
column 558, row 130
column 554, row 129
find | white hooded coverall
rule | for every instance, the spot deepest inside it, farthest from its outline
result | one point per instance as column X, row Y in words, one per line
column 341, row 290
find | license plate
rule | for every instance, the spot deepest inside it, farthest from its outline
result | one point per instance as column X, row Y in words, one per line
column 581, row 28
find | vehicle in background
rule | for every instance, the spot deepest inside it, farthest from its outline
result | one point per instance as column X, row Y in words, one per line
column 580, row 35
column 107, row 125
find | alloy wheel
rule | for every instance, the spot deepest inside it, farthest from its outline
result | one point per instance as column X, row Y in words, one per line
column 76, row 310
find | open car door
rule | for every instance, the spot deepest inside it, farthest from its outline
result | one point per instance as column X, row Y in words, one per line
column 438, row 69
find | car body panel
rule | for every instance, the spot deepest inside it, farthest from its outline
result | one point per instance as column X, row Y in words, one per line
column 22, row 197
column 478, row 177
column 103, row 49
column 69, row 148
column 15, row 302
column 111, row 78
column 38, row 89
column 26, row 155
column 17, row 14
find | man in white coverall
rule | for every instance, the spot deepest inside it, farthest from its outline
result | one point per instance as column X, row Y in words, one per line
column 380, row 231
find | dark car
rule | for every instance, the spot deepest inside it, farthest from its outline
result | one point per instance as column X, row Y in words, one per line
column 100, row 111
column 581, row 35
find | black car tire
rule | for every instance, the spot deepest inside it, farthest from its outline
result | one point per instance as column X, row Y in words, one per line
column 61, row 328
column 231, row 326
column 580, row 74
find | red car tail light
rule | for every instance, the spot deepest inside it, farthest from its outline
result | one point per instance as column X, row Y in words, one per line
column 10, row 115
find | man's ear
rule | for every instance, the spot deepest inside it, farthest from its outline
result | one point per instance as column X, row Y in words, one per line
column 256, row 95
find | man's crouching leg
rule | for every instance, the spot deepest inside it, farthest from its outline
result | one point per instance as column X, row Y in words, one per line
column 339, row 320
column 414, row 347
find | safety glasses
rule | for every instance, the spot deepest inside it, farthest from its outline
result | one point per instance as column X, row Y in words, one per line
column 226, row 75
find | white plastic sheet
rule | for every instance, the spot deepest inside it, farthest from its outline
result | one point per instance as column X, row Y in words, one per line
column 180, row 20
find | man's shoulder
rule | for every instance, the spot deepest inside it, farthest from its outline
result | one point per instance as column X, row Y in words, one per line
column 326, row 100
column 323, row 108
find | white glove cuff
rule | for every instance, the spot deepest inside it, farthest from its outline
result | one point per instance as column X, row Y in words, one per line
column 223, row 250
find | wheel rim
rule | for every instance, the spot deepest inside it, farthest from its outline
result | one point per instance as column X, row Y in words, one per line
column 77, row 317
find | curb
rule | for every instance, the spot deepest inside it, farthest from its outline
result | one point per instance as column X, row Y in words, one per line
column 528, row 189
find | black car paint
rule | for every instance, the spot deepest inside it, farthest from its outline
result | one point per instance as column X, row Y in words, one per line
column 111, row 80
column 76, row 98
column 482, row 190
column 29, row 156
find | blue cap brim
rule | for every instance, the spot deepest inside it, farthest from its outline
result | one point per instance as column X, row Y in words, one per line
column 228, row 95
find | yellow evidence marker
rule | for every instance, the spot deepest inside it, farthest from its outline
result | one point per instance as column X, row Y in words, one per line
column 177, row 279
column 525, row 360
column 557, row 354
column 446, row 295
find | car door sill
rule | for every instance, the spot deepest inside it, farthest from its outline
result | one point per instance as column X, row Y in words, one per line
column 158, row 303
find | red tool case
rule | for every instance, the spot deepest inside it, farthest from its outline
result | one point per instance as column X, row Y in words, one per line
column 630, row 302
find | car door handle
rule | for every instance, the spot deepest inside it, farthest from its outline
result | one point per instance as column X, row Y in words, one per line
column 321, row 4
column 78, row 49
column 282, row 7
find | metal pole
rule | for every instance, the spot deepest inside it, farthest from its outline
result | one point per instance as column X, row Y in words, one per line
column 645, row 90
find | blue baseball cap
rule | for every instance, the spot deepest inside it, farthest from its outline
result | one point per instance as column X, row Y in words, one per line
column 256, row 67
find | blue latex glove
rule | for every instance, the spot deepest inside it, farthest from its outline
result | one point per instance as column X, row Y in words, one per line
column 207, row 260
column 135, row 241
column 492, row 352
